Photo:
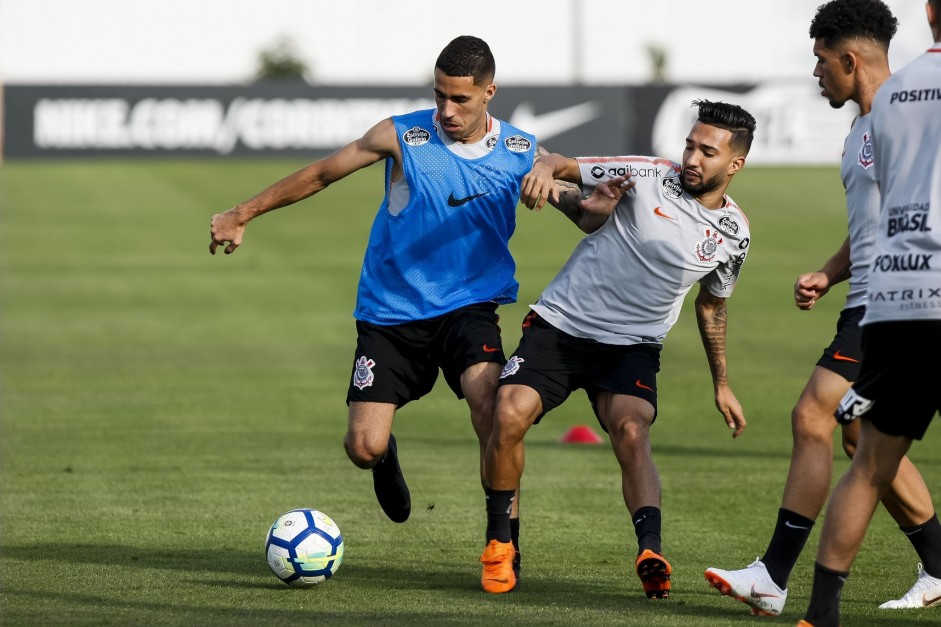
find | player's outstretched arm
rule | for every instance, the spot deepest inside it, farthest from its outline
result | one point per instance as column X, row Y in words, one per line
column 712, row 319
column 227, row 228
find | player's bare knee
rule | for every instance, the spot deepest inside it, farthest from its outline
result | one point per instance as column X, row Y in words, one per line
column 629, row 434
column 811, row 426
column 361, row 453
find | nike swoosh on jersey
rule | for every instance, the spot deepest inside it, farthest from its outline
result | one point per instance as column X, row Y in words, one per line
column 487, row 349
column 457, row 202
column 840, row 357
column 643, row 387
column 659, row 212
column 553, row 123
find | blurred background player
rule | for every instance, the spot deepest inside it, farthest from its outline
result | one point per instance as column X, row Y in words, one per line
column 897, row 394
column 851, row 44
column 438, row 261
column 600, row 323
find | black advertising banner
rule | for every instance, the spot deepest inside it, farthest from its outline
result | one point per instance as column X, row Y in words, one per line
column 795, row 125
column 276, row 118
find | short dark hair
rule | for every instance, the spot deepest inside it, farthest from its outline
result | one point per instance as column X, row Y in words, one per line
column 839, row 20
column 732, row 118
column 467, row 55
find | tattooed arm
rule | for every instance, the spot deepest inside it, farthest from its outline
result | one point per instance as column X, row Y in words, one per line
column 539, row 184
column 572, row 204
column 558, row 179
column 712, row 319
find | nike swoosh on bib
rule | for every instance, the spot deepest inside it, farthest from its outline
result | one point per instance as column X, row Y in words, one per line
column 457, row 202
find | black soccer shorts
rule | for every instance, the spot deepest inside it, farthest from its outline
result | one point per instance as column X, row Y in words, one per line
column 896, row 391
column 845, row 353
column 399, row 363
column 555, row 364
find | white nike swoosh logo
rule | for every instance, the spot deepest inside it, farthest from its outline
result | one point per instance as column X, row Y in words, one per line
column 788, row 523
column 550, row 124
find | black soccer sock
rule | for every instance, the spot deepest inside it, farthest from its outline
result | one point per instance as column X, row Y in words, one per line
column 790, row 535
column 647, row 523
column 499, row 503
column 824, row 608
column 515, row 533
column 926, row 538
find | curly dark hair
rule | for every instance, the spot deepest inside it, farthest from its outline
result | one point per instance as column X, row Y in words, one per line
column 839, row 20
column 732, row 118
column 467, row 55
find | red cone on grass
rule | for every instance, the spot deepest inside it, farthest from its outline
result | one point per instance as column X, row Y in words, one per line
column 581, row 434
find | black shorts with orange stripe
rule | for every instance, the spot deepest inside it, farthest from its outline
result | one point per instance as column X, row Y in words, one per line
column 845, row 353
column 555, row 364
column 400, row 363
column 902, row 392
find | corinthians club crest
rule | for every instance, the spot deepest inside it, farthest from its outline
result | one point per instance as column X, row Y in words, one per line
column 865, row 152
column 706, row 247
column 362, row 374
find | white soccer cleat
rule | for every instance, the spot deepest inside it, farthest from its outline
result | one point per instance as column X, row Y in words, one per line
column 925, row 593
column 752, row 586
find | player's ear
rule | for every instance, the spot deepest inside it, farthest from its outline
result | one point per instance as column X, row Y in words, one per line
column 848, row 61
column 490, row 92
column 737, row 164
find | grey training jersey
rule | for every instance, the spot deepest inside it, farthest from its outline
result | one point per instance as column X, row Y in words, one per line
column 905, row 278
column 625, row 283
column 862, row 205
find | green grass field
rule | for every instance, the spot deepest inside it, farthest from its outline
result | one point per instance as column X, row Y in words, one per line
column 160, row 407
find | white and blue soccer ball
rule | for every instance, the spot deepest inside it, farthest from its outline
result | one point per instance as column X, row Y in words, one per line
column 304, row 547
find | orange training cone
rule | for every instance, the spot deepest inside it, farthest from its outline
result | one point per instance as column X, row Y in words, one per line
column 581, row 434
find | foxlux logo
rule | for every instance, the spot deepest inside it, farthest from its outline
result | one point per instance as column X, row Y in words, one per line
column 902, row 263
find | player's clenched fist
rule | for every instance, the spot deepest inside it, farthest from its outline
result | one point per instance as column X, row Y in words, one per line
column 226, row 227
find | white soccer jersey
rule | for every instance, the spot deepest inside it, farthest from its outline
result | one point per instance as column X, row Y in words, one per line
column 862, row 205
column 625, row 283
column 905, row 278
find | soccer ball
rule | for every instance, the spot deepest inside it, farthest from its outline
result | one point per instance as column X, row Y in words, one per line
column 304, row 547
